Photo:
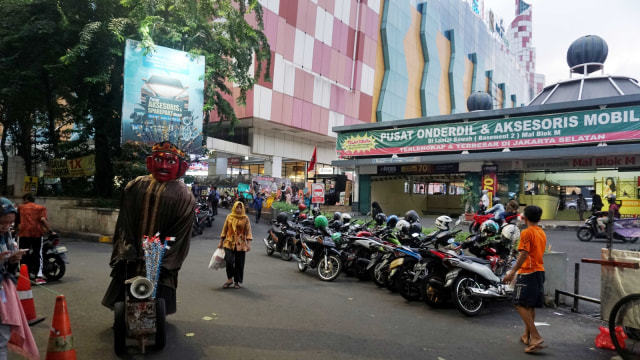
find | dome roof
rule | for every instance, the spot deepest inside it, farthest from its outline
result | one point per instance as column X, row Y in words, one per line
column 592, row 87
column 587, row 54
column 479, row 100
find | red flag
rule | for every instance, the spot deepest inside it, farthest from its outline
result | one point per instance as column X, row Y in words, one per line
column 312, row 163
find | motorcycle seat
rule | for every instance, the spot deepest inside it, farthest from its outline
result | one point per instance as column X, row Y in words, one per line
column 477, row 260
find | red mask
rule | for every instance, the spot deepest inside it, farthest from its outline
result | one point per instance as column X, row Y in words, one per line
column 165, row 166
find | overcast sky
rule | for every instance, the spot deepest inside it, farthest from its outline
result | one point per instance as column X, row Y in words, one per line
column 557, row 23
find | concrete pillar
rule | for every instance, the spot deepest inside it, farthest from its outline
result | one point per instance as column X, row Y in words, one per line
column 221, row 167
column 274, row 167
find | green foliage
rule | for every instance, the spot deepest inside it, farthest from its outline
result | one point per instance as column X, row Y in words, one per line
column 281, row 206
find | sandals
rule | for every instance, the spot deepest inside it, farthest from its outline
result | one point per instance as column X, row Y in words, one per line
column 236, row 286
column 227, row 285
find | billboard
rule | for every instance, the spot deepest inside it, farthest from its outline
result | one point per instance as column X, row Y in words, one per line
column 163, row 97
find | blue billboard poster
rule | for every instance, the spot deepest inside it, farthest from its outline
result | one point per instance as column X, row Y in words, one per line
column 163, row 97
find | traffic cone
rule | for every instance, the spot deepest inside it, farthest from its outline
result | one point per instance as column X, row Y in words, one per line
column 26, row 296
column 60, row 346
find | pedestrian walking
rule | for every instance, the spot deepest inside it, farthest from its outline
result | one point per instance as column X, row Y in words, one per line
column 582, row 206
column 15, row 333
column 529, row 285
column 257, row 204
column 235, row 239
column 30, row 221
column 214, row 199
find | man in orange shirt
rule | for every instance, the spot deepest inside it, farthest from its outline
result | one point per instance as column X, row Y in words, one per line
column 30, row 221
column 529, row 287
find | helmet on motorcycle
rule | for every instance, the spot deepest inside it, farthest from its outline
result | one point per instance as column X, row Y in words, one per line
column 337, row 215
column 303, row 216
column 282, row 218
column 489, row 228
column 510, row 232
column 296, row 213
column 336, row 225
column 402, row 225
column 411, row 216
column 611, row 198
column 392, row 221
column 380, row 218
column 346, row 218
column 442, row 222
column 496, row 200
column 315, row 211
column 415, row 228
column 320, row 221
column 302, row 207
column 336, row 237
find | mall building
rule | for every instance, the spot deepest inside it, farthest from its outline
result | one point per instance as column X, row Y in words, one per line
column 338, row 64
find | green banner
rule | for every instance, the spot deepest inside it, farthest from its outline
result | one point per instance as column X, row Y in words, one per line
column 592, row 126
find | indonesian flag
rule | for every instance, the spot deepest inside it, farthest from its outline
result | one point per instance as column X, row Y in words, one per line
column 312, row 163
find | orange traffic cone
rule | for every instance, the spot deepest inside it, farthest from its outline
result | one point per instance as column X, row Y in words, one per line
column 60, row 346
column 26, row 296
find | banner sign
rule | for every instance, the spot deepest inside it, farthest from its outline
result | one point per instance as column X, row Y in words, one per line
column 582, row 163
column 163, row 97
column 580, row 127
column 30, row 185
column 490, row 181
column 63, row 168
column 418, row 169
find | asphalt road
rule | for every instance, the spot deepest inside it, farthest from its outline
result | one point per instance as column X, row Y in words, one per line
column 284, row 314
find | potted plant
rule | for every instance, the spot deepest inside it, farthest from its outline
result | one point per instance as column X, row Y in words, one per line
column 469, row 199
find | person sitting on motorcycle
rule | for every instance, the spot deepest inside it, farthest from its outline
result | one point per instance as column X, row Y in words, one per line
column 613, row 208
column 510, row 210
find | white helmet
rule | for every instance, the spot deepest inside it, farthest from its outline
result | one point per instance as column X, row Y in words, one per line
column 346, row 218
column 510, row 232
column 442, row 222
column 403, row 225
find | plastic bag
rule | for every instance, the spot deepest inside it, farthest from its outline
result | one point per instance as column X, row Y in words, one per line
column 603, row 340
column 217, row 260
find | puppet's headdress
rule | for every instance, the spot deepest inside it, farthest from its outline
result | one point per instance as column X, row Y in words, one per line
column 165, row 146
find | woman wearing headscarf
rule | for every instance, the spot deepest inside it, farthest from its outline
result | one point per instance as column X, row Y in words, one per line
column 235, row 239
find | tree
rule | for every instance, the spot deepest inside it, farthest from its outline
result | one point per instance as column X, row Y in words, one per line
column 217, row 29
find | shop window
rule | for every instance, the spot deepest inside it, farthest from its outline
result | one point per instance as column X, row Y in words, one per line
column 437, row 188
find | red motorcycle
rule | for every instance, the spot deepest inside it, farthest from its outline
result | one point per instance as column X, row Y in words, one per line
column 480, row 217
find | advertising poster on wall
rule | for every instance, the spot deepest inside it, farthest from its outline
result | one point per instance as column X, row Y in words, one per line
column 163, row 97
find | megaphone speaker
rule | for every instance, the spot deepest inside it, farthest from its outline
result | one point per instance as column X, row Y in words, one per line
column 141, row 288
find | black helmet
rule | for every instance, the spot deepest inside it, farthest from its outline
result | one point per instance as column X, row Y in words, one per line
column 411, row 216
column 336, row 225
column 380, row 218
column 337, row 215
column 282, row 218
column 415, row 228
column 315, row 211
column 611, row 198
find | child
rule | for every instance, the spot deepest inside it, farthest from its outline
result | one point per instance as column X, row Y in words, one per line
column 529, row 290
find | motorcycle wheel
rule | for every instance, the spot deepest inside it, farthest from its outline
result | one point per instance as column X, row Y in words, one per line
column 161, row 321
column 585, row 234
column 466, row 304
column 434, row 295
column 285, row 253
column 302, row 267
column 329, row 268
column 378, row 275
column 53, row 268
column 119, row 329
column 408, row 290
column 473, row 228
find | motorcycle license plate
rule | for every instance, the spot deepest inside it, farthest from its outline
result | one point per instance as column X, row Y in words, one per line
column 60, row 249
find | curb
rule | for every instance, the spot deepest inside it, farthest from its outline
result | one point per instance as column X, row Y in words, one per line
column 86, row 236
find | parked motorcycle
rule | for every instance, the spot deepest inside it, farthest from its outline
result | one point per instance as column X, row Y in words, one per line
column 281, row 238
column 319, row 251
column 54, row 259
column 226, row 201
column 627, row 230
